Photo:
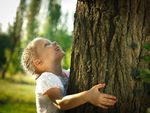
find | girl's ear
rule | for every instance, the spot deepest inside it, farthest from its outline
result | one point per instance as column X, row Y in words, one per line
column 37, row 62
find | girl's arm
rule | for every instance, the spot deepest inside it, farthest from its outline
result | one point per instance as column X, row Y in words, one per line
column 92, row 96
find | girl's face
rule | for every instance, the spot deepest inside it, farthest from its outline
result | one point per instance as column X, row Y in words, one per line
column 48, row 52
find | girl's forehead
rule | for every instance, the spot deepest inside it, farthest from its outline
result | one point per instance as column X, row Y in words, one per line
column 41, row 41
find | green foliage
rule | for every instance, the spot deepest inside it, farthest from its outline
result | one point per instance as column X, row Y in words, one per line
column 145, row 73
column 14, row 32
column 67, row 59
column 17, row 27
column 5, row 46
column 146, row 58
column 147, row 46
column 53, row 19
column 54, row 13
column 32, row 25
column 15, row 66
column 11, row 52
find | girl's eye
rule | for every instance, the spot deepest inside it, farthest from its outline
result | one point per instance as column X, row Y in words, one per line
column 47, row 44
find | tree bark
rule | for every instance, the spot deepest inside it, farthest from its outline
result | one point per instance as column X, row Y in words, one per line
column 108, row 46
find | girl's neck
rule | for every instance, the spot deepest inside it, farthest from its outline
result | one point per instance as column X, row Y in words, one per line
column 56, row 69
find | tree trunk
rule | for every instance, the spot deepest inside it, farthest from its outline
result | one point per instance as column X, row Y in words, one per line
column 108, row 46
column 15, row 34
column 32, row 24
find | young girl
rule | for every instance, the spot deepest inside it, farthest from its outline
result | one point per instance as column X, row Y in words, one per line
column 42, row 58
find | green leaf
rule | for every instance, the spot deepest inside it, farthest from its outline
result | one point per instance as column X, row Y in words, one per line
column 147, row 46
column 146, row 80
column 146, row 58
column 144, row 74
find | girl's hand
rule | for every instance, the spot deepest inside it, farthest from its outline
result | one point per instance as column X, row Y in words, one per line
column 95, row 97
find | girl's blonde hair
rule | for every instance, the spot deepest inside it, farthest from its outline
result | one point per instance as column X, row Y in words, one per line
column 28, row 55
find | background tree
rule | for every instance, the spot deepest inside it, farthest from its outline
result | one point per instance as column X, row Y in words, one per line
column 4, row 46
column 108, row 47
column 32, row 13
column 53, row 17
column 26, row 27
column 14, row 36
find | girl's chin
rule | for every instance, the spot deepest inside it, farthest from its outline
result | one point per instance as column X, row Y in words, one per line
column 61, row 55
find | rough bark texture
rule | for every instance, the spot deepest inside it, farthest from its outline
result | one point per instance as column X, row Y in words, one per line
column 108, row 45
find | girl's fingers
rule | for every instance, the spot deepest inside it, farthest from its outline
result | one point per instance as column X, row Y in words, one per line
column 102, row 106
column 99, row 86
column 108, row 102
column 109, row 96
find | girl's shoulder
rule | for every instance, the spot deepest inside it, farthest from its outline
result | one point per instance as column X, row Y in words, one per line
column 46, row 81
column 47, row 76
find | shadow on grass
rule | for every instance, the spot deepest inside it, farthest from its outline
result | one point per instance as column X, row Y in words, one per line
column 21, row 81
column 8, row 100
column 17, row 106
column 17, row 96
column 4, row 101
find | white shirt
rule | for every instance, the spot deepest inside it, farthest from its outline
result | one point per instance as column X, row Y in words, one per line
column 46, row 81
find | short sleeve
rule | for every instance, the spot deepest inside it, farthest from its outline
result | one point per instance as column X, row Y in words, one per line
column 46, row 81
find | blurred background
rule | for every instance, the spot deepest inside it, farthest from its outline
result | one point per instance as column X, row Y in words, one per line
column 20, row 22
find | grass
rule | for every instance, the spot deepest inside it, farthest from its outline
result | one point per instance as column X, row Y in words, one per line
column 17, row 95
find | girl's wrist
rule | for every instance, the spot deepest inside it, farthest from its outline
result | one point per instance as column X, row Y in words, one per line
column 87, row 96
